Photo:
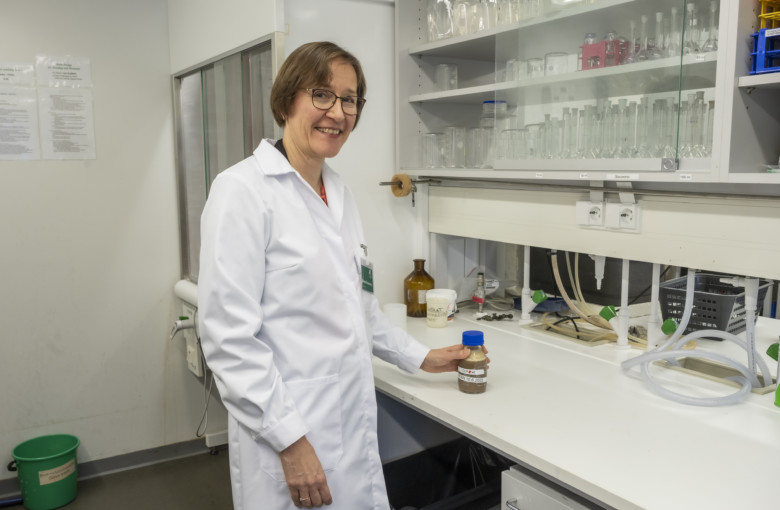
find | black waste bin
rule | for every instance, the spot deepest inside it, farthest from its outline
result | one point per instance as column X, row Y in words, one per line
column 459, row 475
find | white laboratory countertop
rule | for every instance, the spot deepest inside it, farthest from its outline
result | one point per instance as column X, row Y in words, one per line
column 569, row 411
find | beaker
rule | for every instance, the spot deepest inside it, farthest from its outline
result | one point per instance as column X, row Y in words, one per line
column 454, row 147
column 439, row 19
column 475, row 147
column 556, row 63
column 446, row 77
column 461, row 10
column 429, row 148
column 535, row 68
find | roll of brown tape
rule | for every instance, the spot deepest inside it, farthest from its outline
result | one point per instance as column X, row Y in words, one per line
column 405, row 186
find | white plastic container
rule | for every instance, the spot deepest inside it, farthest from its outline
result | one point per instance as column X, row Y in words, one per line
column 441, row 306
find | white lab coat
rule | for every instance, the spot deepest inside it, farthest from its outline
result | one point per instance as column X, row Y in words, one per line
column 289, row 333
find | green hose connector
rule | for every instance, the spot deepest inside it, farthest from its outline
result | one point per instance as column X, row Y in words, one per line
column 669, row 326
column 538, row 296
column 608, row 313
column 772, row 351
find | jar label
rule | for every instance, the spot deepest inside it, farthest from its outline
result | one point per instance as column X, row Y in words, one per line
column 471, row 371
column 421, row 296
column 474, row 380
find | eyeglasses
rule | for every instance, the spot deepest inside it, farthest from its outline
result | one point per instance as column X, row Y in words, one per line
column 323, row 99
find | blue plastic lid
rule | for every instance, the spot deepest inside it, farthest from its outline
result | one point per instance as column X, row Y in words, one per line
column 473, row 338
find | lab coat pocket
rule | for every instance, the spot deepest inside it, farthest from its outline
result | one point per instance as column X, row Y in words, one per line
column 318, row 402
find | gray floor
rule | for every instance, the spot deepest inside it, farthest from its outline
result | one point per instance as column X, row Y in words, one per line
column 192, row 483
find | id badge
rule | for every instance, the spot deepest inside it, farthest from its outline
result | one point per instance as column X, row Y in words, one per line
column 366, row 271
column 367, row 275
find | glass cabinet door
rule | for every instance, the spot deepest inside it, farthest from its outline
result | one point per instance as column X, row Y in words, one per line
column 560, row 89
column 607, row 85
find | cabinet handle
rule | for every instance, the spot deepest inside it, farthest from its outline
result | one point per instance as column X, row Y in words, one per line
column 510, row 504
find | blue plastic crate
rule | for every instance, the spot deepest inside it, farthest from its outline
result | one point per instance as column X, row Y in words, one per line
column 765, row 55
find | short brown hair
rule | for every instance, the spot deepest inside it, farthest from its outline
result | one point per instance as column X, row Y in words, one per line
column 309, row 66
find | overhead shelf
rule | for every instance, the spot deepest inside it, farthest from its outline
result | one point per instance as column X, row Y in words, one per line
column 482, row 45
column 662, row 75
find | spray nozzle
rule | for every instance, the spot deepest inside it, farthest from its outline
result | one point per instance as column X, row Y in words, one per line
column 184, row 322
column 598, row 261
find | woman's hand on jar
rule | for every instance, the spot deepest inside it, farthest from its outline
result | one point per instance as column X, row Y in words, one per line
column 304, row 475
column 446, row 359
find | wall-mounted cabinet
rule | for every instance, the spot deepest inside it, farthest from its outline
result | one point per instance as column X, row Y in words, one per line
column 576, row 101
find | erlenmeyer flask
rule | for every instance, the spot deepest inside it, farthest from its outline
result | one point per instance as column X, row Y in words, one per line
column 711, row 44
column 655, row 50
column 691, row 43
column 674, row 36
column 641, row 54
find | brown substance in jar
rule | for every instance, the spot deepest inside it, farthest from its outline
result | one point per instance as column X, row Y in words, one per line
column 472, row 371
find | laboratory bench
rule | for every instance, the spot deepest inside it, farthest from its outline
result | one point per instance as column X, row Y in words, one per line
column 568, row 412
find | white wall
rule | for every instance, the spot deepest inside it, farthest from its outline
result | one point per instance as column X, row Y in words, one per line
column 392, row 226
column 90, row 247
column 203, row 29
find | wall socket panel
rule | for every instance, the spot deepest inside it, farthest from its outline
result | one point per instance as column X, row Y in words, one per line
column 622, row 216
column 194, row 362
column 590, row 214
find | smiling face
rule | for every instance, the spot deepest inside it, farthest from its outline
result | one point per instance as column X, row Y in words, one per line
column 313, row 134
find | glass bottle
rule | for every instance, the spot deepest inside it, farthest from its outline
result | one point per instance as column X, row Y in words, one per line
column 415, row 286
column 472, row 371
column 593, row 60
column 611, row 50
column 479, row 293
column 630, row 56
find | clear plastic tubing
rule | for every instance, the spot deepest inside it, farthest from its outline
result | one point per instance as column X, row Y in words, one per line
column 672, row 349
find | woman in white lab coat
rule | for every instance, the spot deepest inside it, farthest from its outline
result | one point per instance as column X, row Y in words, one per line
column 288, row 322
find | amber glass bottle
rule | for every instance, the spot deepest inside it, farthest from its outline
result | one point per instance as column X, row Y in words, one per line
column 415, row 286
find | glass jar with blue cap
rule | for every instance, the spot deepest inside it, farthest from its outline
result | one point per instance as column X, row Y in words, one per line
column 472, row 371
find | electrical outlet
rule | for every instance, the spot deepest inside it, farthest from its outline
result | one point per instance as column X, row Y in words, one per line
column 623, row 217
column 193, row 349
column 590, row 214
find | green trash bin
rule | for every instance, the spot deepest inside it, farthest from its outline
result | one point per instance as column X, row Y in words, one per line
column 47, row 471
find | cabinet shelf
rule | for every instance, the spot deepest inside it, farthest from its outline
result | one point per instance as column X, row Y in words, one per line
column 482, row 45
column 577, row 167
column 767, row 81
column 662, row 75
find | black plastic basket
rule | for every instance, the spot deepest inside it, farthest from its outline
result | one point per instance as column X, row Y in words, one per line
column 716, row 305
